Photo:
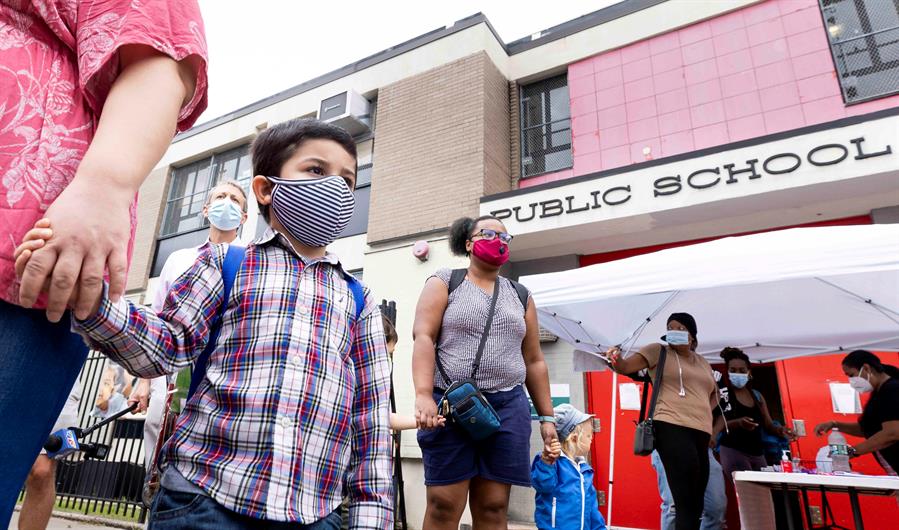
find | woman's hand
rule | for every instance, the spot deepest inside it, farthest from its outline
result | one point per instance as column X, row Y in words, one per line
column 613, row 355
column 550, row 436
column 141, row 395
column 823, row 428
column 786, row 432
column 745, row 423
column 426, row 415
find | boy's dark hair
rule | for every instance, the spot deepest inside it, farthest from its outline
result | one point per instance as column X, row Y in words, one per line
column 390, row 334
column 275, row 145
column 460, row 232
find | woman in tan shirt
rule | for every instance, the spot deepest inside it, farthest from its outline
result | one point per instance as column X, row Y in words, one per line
column 683, row 415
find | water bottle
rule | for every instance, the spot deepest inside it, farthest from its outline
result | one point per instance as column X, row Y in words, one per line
column 839, row 451
column 786, row 464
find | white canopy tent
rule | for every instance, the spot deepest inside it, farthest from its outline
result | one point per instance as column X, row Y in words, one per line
column 776, row 295
column 790, row 293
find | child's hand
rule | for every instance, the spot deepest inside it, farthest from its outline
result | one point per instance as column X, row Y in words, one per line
column 34, row 239
column 555, row 451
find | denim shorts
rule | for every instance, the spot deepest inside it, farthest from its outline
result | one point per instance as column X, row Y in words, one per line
column 41, row 361
column 451, row 456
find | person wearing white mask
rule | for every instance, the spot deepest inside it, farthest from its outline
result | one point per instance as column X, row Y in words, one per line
column 682, row 422
column 879, row 422
column 226, row 210
column 746, row 413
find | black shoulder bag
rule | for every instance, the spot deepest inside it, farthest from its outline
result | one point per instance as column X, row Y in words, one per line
column 463, row 400
column 644, row 438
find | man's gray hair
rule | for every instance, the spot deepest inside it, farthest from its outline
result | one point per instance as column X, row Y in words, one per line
column 233, row 184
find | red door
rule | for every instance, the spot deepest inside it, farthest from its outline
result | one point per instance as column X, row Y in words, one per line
column 634, row 491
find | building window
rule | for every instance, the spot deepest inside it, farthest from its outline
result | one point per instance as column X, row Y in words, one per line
column 191, row 184
column 864, row 41
column 545, row 127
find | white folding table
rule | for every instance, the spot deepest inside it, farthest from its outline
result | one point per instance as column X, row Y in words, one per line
column 757, row 509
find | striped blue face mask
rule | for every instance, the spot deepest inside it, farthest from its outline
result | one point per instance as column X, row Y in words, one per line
column 313, row 211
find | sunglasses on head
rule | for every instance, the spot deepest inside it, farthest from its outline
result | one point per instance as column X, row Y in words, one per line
column 488, row 234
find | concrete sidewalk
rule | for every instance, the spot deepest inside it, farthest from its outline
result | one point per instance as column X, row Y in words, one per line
column 58, row 523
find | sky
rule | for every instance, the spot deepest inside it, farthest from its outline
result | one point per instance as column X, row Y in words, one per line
column 262, row 47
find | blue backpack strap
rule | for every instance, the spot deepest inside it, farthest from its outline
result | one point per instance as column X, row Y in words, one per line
column 233, row 261
column 358, row 294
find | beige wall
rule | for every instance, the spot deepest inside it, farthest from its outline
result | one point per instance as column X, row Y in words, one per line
column 442, row 143
column 150, row 206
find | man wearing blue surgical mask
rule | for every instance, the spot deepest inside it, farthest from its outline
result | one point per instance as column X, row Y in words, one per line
column 226, row 211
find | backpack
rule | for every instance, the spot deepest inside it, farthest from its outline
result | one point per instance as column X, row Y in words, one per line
column 233, row 260
column 458, row 276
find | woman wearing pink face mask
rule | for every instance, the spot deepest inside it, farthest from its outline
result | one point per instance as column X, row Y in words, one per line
column 450, row 320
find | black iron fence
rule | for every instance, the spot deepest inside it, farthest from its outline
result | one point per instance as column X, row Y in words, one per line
column 112, row 486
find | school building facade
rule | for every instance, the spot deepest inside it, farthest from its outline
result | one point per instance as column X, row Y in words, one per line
column 644, row 125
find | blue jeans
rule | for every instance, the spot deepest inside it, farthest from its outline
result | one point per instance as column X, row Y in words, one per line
column 715, row 507
column 174, row 510
column 39, row 363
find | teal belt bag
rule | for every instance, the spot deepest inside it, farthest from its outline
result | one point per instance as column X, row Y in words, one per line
column 470, row 410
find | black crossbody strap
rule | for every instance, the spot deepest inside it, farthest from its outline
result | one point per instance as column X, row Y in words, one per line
column 456, row 279
column 656, row 385
column 644, row 397
column 477, row 359
column 440, row 367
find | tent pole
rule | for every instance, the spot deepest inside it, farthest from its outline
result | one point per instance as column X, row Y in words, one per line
column 612, row 443
column 882, row 309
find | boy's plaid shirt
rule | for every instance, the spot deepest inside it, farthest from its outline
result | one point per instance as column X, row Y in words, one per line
column 294, row 405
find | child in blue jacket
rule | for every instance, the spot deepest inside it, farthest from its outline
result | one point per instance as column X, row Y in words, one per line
column 566, row 497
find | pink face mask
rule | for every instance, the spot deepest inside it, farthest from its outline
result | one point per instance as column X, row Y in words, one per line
column 492, row 251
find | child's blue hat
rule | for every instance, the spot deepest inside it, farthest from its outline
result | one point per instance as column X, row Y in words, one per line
column 567, row 419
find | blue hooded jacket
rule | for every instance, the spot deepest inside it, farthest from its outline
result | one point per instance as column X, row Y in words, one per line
column 566, row 497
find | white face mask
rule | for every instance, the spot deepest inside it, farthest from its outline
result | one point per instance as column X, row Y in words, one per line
column 224, row 214
column 677, row 337
column 861, row 384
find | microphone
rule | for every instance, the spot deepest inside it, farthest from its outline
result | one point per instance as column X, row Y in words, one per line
column 65, row 441
column 61, row 443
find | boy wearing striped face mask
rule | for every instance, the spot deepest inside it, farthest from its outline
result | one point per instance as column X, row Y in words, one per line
column 293, row 409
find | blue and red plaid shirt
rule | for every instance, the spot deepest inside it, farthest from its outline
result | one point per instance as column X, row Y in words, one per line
column 294, row 405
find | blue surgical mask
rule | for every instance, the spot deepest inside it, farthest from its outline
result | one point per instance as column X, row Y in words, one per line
column 738, row 380
column 224, row 214
column 676, row 337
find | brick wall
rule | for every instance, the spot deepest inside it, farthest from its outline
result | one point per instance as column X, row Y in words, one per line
column 497, row 131
column 151, row 202
column 442, row 143
column 759, row 70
